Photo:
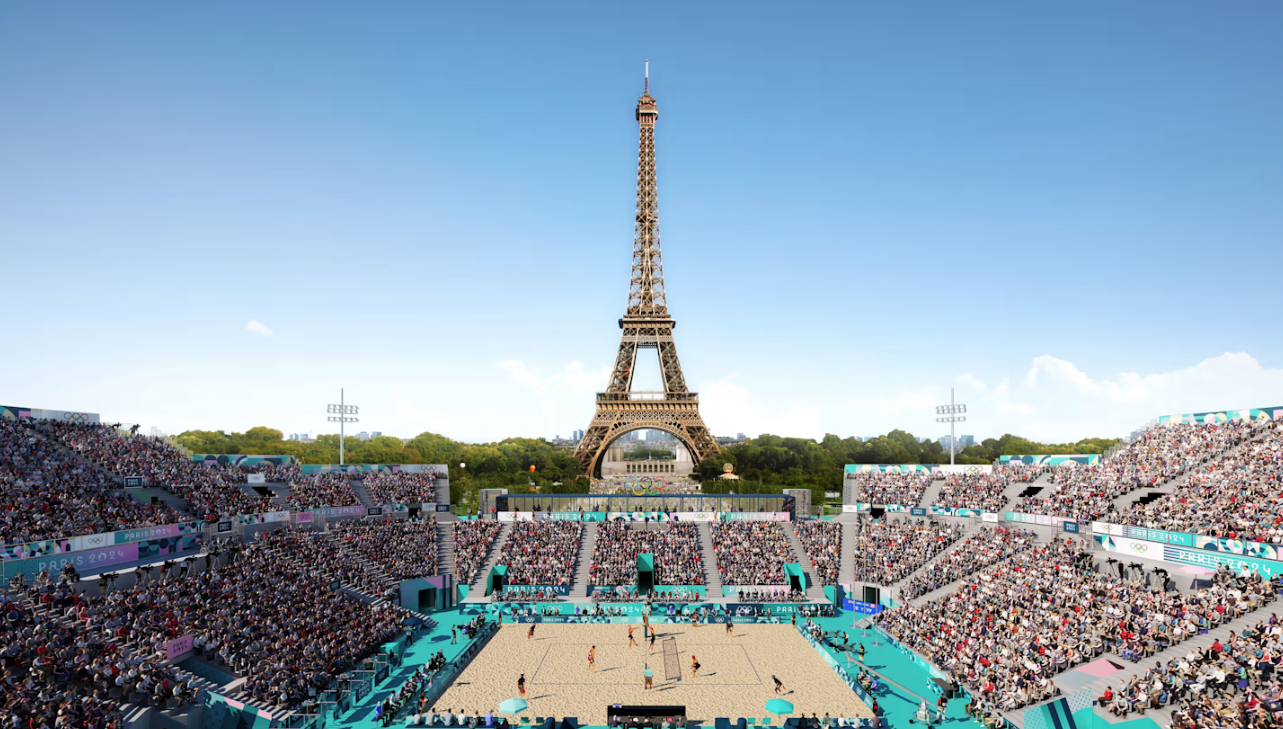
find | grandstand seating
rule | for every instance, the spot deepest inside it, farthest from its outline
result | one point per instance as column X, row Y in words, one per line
column 387, row 487
column 403, row 549
column 887, row 551
column 1235, row 495
column 323, row 488
column 210, row 491
column 984, row 491
column 676, row 550
column 751, row 552
column 1038, row 613
column 542, row 553
column 472, row 541
column 822, row 541
column 876, row 487
column 50, row 493
column 1087, row 493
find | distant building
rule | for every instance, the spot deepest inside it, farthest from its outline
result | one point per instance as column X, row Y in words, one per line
column 945, row 441
column 376, row 434
column 740, row 436
column 362, row 435
column 966, row 440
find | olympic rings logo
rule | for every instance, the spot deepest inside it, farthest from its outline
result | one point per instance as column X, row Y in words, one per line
column 643, row 485
column 1138, row 548
column 74, row 417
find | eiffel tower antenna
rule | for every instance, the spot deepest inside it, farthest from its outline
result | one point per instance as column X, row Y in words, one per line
column 646, row 325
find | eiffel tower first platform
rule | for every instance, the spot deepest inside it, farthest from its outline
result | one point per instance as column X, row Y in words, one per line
column 646, row 325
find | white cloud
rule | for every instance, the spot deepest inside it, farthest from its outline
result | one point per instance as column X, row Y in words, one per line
column 258, row 328
column 729, row 408
column 1057, row 401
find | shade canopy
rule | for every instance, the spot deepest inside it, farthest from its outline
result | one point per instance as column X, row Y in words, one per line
column 512, row 706
column 779, row 707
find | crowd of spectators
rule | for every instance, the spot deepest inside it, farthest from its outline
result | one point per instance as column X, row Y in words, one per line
column 1238, row 496
column 210, row 490
column 822, row 541
column 526, row 593
column 318, row 555
column 542, row 552
column 267, row 617
column 472, row 540
column 61, row 670
column 751, row 552
column 50, row 494
column 276, row 473
column 984, row 491
column 887, row 551
column 1010, row 628
column 323, row 488
column 876, row 487
column 404, row 549
column 387, row 487
column 986, row 547
column 1087, row 493
column 676, row 550
column 1203, row 685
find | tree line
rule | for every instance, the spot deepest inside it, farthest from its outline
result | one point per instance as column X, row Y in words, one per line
column 766, row 464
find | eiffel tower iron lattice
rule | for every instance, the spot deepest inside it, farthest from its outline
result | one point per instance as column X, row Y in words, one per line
column 646, row 325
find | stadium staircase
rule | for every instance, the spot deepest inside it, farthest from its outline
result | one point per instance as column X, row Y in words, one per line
column 1041, row 485
column 362, row 493
column 1162, row 716
column 714, row 577
column 583, row 568
column 846, row 572
column 441, row 490
column 814, row 588
column 479, row 580
column 933, row 490
column 445, row 548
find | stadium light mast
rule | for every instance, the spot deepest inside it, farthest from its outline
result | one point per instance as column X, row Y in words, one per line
column 339, row 414
column 953, row 414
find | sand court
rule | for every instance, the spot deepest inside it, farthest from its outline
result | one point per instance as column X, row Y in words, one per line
column 734, row 678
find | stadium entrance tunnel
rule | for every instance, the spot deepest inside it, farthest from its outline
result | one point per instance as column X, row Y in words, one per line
column 645, row 573
column 796, row 579
column 496, row 580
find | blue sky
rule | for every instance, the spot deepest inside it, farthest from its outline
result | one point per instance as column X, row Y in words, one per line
column 1070, row 213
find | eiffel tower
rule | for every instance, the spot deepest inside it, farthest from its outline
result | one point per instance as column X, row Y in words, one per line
column 646, row 325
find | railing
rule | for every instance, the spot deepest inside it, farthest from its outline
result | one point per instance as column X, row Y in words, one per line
column 623, row 397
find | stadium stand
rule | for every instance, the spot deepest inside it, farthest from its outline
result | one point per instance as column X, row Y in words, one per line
column 324, row 488
column 986, row 547
column 676, row 548
column 403, row 549
column 50, row 494
column 822, row 541
column 983, row 490
column 401, row 488
column 887, row 551
column 472, row 541
column 210, row 491
column 1157, row 456
column 751, row 552
column 542, row 553
column 316, row 553
column 876, row 487
column 1009, row 629
column 1236, row 496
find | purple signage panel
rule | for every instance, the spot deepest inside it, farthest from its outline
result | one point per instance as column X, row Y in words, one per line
column 89, row 561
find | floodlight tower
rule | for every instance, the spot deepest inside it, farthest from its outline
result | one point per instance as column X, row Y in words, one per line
column 339, row 414
column 953, row 414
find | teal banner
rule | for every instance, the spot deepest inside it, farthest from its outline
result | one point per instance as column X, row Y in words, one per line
column 1259, row 415
column 1082, row 460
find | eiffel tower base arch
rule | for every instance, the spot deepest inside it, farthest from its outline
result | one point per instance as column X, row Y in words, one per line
column 616, row 416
